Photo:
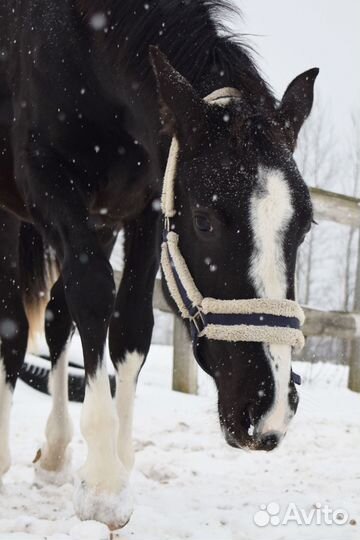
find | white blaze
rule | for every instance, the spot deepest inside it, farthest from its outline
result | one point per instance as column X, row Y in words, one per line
column 271, row 211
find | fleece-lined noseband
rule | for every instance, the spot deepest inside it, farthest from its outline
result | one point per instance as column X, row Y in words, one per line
column 254, row 320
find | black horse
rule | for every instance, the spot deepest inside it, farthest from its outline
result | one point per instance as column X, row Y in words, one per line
column 87, row 143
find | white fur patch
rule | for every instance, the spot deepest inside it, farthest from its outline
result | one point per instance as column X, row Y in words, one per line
column 271, row 211
column 103, row 486
column 54, row 464
column 127, row 373
column 279, row 416
column 5, row 407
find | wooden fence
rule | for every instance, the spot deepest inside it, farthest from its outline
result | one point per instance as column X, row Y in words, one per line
column 346, row 211
column 327, row 206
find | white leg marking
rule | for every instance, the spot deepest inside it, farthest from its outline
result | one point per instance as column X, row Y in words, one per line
column 271, row 212
column 127, row 373
column 103, row 492
column 5, row 406
column 54, row 463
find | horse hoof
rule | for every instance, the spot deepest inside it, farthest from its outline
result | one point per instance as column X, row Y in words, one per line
column 49, row 475
column 89, row 530
column 55, row 478
column 114, row 510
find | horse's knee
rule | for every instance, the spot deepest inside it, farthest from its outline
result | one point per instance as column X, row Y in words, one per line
column 58, row 324
column 90, row 293
column 92, row 275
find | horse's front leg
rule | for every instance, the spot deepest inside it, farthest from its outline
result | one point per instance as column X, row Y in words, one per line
column 132, row 323
column 13, row 330
column 53, row 463
column 102, row 493
column 13, row 341
column 54, row 460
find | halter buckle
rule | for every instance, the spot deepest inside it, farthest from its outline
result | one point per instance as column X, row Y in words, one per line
column 198, row 321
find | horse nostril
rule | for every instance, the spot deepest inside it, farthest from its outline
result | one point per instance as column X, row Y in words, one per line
column 269, row 442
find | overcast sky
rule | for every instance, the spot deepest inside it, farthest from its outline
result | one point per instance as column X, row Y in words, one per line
column 294, row 35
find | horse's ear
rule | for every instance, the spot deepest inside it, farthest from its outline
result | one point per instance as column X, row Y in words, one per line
column 296, row 104
column 183, row 112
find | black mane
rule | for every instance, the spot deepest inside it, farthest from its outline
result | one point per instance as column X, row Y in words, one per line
column 183, row 30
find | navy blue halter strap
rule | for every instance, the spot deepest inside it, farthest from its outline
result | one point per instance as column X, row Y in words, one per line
column 253, row 319
column 200, row 320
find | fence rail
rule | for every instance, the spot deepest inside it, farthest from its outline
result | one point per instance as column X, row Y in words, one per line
column 335, row 207
column 345, row 210
column 327, row 206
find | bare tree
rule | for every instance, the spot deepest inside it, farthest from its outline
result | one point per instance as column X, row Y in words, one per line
column 317, row 163
column 352, row 187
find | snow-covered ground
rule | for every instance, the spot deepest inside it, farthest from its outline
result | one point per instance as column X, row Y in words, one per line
column 188, row 483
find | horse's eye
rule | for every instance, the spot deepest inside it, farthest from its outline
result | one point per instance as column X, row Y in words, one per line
column 203, row 223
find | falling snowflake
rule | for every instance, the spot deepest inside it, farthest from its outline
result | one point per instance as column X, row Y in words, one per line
column 98, row 21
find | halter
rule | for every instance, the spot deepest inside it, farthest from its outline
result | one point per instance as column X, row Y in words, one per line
column 253, row 320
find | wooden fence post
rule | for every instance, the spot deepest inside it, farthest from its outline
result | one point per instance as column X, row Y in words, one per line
column 354, row 361
column 185, row 367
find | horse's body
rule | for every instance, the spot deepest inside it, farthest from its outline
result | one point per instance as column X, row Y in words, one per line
column 83, row 141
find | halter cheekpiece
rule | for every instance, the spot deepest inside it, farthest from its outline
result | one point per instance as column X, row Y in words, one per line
column 253, row 320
